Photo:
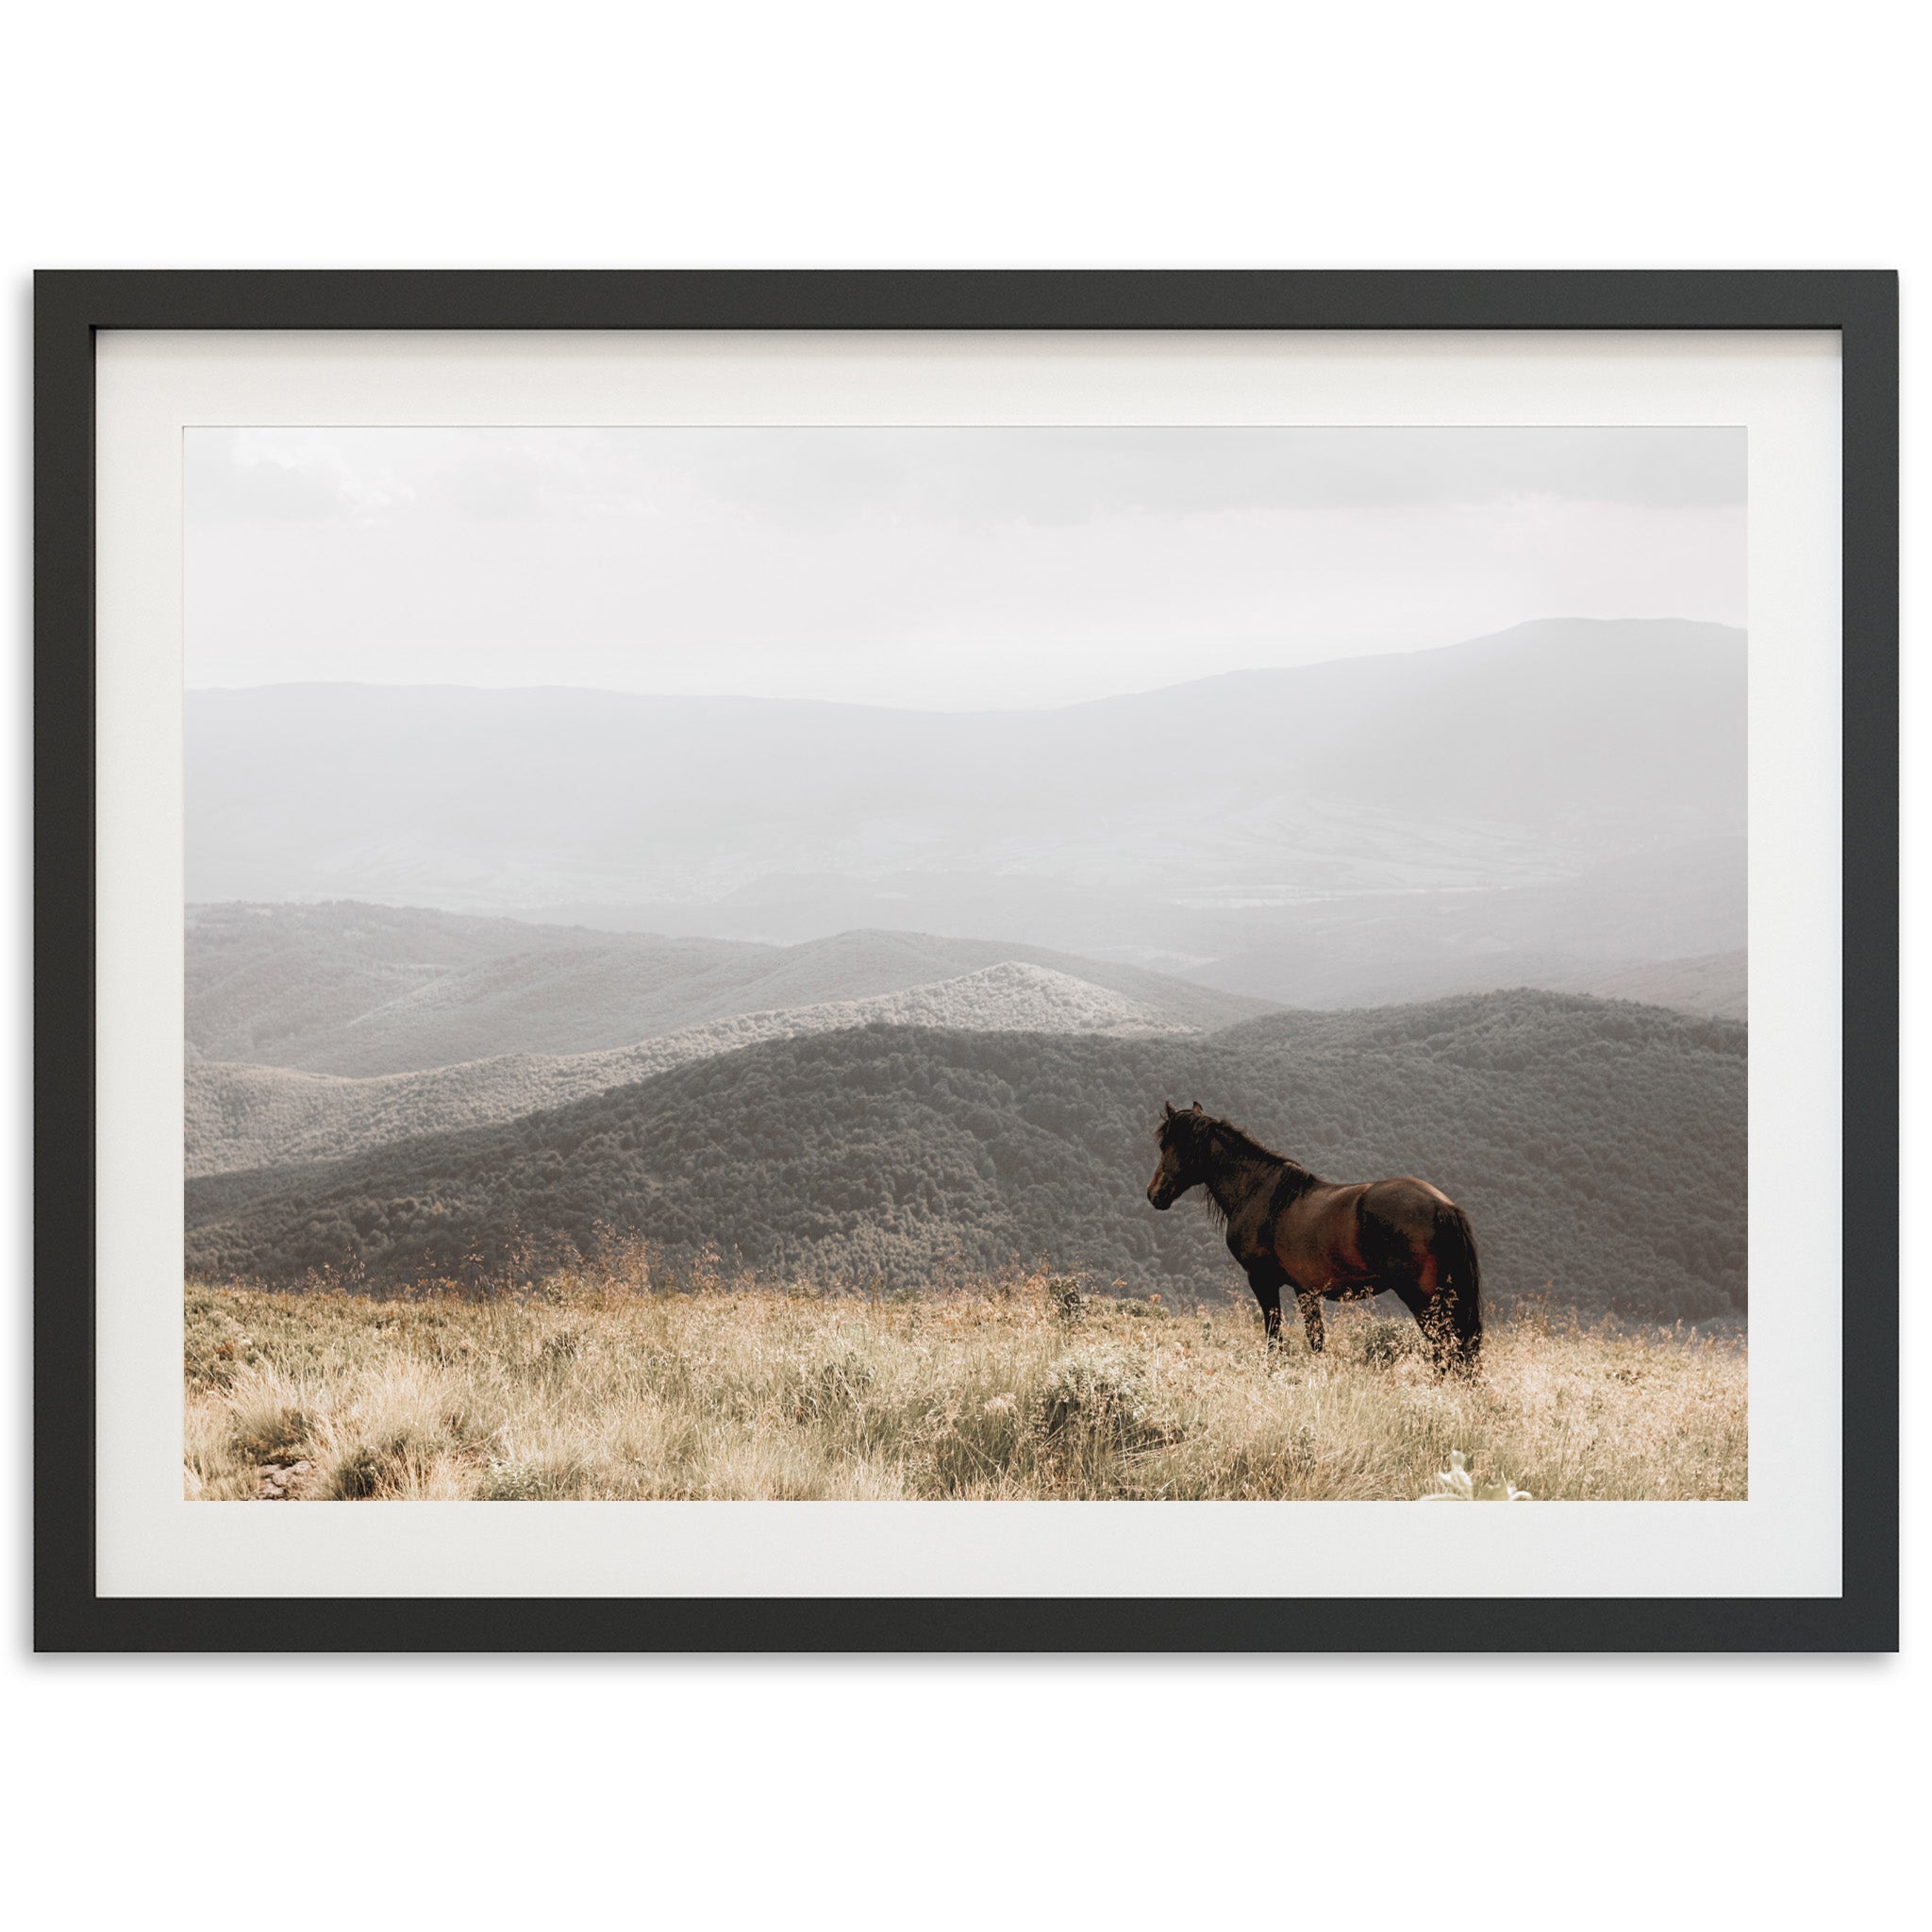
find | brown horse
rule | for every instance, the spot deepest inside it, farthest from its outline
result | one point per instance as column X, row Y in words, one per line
column 1328, row 1241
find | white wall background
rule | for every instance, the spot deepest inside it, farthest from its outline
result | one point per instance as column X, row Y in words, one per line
column 1539, row 1791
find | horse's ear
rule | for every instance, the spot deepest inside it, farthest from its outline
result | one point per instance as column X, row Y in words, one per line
column 1167, row 1110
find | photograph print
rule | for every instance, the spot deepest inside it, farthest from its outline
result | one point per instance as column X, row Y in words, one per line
column 965, row 963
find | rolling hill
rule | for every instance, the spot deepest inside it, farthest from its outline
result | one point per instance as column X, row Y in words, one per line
column 1713, row 983
column 1599, row 1146
column 359, row 991
column 240, row 1116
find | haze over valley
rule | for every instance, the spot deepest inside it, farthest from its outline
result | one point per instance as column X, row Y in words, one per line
column 1551, row 806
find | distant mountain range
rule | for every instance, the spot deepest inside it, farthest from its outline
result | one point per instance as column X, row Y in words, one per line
column 240, row 1116
column 1565, row 799
column 1599, row 1146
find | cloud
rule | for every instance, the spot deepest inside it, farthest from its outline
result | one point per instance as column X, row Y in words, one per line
column 221, row 488
column 952, row 567
column 957, row 475
column 290, row 476
column 1066, row 475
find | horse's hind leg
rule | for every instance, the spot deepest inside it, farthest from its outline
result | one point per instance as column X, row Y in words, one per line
column 1311, row 1306
column 1429, row 1317
column 1466, row 1328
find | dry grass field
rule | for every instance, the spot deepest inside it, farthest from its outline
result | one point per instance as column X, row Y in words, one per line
column 590, row 1388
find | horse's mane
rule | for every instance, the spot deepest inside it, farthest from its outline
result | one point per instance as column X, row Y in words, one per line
column 1201, row 1133
column 1196, row 1132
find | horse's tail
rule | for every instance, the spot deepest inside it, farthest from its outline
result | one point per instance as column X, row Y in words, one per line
column 1459, row 1281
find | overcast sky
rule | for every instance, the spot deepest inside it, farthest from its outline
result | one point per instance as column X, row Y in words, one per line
column 937, row 568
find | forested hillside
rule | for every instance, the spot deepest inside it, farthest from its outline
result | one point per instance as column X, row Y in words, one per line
column 1598, row 1146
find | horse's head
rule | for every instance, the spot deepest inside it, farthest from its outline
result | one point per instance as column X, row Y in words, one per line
column 1183, row 1145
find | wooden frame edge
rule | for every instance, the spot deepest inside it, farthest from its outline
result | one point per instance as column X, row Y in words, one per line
column 69, row 306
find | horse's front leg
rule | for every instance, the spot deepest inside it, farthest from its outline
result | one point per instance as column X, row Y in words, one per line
column 1265, row 1278
column 1309, row 1302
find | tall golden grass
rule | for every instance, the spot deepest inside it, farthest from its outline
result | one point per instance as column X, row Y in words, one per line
column 590, row 1388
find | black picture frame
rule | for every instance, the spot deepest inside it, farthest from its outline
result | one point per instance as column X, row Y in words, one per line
column 71, row 308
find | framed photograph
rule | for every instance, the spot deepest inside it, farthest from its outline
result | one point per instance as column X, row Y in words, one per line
column 966, row 961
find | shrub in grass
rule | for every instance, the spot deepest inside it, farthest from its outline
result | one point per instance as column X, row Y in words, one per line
column 1097, row 1394
column 355, row 1474
column 262, row 1434
column 512, row 1479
